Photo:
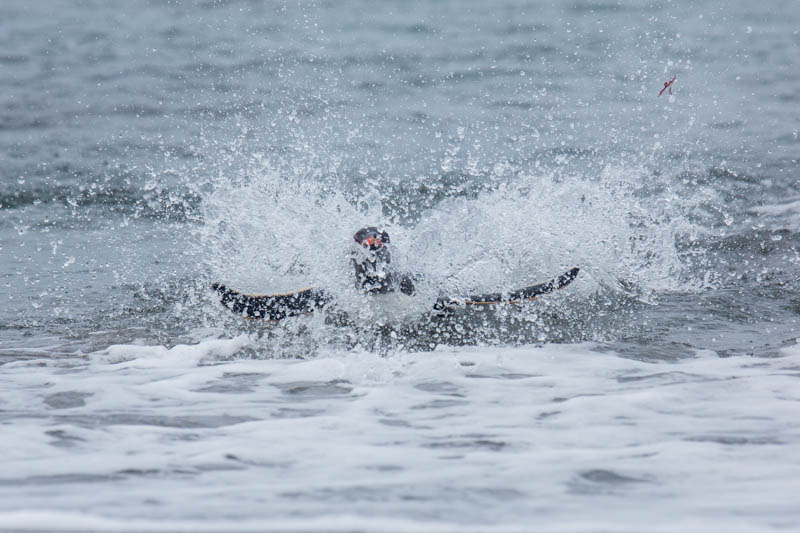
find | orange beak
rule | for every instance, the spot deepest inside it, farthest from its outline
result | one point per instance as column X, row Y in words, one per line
column 372, row 241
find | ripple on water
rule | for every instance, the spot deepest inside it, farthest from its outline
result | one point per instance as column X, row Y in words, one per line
column 603, row 481
column 67, row 399
column 137, row 419
column 314, row 390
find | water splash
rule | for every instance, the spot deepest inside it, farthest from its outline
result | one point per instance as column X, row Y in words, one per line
column 268, row 230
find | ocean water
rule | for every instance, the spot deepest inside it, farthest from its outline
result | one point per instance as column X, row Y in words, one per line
column 148, row 149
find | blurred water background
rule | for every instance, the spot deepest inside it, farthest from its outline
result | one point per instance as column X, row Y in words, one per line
column 148, row 149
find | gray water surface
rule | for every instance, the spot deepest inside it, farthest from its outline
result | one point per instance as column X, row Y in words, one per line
column 148, row 149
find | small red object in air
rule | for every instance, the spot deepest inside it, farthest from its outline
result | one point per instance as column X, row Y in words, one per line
column 667, row 85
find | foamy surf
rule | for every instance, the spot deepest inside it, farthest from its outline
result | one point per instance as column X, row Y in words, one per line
column 70, row 522
column 534, row 433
